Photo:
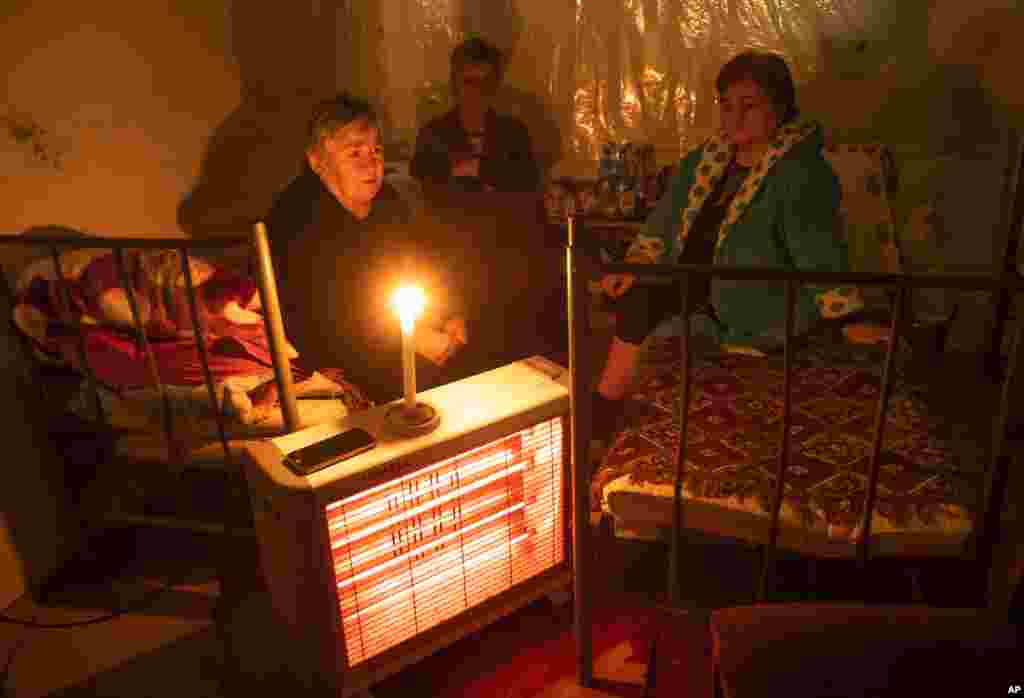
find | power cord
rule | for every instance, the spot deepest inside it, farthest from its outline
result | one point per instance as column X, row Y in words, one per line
column 144, row 603
column 9, row 663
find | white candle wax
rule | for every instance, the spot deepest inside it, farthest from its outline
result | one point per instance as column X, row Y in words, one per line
column 409, row 302
column 409, row 364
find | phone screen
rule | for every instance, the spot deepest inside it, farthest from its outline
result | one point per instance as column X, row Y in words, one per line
column 318, row 456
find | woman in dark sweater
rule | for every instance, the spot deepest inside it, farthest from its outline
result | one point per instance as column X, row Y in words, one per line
column 472, row 147
column 341, row 242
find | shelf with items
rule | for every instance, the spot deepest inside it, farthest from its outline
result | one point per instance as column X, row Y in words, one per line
column 626, row 189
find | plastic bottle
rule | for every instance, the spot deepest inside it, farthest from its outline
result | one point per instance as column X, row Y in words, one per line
column 627, row 181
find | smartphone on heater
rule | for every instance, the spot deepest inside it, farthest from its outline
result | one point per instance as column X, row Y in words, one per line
column 347, row 444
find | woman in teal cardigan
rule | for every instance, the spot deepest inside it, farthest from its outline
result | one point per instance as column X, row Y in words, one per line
column 758, row 194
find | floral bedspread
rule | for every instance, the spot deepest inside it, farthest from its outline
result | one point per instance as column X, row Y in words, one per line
column 734, row 439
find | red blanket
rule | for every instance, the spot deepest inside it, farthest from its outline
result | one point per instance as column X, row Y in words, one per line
column 91, row 296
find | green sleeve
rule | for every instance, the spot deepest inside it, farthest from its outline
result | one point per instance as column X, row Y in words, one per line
column 660, row 239
column 812, row 235
column 810, row 217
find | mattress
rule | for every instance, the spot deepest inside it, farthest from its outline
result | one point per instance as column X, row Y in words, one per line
column 925, row 494
column 201, row 442
column 134, row 422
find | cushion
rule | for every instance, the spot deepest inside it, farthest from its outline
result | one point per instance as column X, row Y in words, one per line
column 246, row 412
column 867, row 178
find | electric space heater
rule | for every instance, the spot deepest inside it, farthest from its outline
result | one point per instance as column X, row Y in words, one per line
column 382, row 559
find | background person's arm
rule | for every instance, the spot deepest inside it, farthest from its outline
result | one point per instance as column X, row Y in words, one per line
column 659, row 243
column 515, row 169
column 430, row 161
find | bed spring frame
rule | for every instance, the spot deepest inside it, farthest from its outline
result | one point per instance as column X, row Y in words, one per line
column 583, row 269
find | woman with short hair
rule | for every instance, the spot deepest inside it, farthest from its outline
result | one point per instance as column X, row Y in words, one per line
column 340, row 238
column 472, row 147
column 759, row 193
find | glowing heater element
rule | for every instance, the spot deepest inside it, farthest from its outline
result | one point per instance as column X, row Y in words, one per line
column 418, row 550
column 447, row 525
column 409, row 302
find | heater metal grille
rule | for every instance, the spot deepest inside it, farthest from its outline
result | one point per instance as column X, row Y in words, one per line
column 420, row 549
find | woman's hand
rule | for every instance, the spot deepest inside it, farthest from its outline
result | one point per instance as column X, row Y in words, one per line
column 264, row 395
column 456, row 329
column 432, row 345
column 615, row 285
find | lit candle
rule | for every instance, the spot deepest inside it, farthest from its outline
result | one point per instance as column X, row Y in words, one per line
column 409, row 302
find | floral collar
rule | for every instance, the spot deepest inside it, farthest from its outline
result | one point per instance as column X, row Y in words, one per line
column 717, row 155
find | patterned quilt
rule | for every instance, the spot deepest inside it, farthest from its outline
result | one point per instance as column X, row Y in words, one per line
column 735, row 439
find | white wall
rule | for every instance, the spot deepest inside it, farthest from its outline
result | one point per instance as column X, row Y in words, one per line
column 129, row 93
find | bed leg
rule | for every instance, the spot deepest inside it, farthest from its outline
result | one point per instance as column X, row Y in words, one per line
column 231, row 570
column 651, row 676
column 916, row 593
column 812, row 579
column 559, row 597
column 229, row 669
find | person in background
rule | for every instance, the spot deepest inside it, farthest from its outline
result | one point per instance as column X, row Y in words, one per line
column 340, row 241
column 509, row 264
column 472, row 147
column 758, row 194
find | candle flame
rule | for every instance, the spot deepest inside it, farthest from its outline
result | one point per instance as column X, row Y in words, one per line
column 408, row 302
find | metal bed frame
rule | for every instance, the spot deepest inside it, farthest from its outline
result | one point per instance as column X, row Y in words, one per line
column 63, row 239
column 582, row 269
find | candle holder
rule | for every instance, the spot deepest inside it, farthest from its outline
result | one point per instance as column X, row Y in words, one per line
column 421, row 418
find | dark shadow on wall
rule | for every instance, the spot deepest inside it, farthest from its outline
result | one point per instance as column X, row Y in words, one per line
column 286, row 61
column 253, row 154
